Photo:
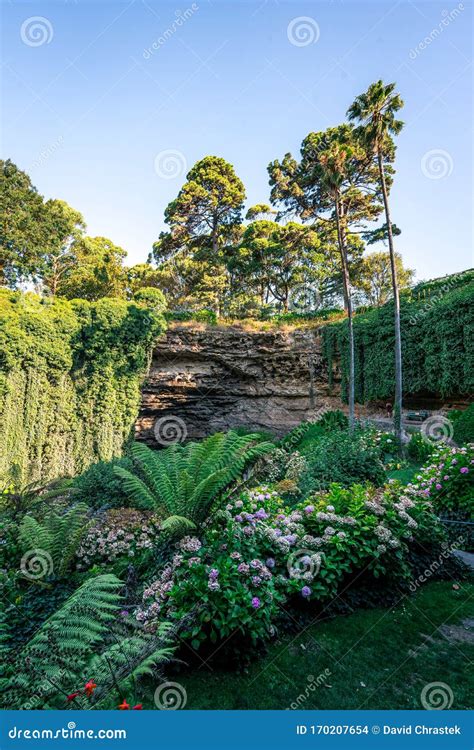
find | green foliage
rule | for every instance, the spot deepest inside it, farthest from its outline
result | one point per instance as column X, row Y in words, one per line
column 18, row 500
column 344, row 457
column 80, row 642
column 373, row 279
column 200, row 316
column 100, row 486
column 70, row 375
column 53, row 660
column 151, row 297
column 448, row 481
column 182, row 483
column 333, row 420
column 437, row 324
column 56, row 536
column 24, row 225
column 419, row 449
column 463, row 422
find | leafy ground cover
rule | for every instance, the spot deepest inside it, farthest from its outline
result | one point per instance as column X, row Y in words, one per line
column 371, row 659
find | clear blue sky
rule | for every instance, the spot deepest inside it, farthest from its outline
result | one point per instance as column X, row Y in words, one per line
column 87, row 111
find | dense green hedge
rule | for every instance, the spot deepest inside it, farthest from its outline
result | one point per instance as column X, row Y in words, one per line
column 437, row 342
column 70, row 376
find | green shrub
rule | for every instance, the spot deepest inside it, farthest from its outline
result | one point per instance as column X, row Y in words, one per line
column 259, row 554
column 333, row 420
column 448, row 480
column 152, row 298
column 200, row 316
column 419, row 449
column 463, row 425
column 100, row 486
column 343, row 457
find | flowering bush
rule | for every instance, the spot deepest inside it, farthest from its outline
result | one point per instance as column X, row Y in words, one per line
column 119, row 532
column 344, row 457
column 448, row 480
column 258, row 553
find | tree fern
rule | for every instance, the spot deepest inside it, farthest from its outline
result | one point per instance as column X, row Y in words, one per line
column 185, row 481
column 117, row 669
column 48, row 667
column 57, row 535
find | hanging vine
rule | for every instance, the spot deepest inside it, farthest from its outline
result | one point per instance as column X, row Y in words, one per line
column 437, row 343
column 70, row 375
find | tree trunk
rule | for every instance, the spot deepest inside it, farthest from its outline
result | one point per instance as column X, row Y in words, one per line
column 397, row 411
column 341, row 237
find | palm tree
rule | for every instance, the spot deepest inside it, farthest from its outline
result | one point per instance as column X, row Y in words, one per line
column 375, row 112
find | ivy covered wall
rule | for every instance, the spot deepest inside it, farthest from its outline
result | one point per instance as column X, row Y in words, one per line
column 437, row 320
column 70, row 375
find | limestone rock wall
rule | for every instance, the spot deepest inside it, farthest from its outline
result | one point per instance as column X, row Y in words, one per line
column 203, row 380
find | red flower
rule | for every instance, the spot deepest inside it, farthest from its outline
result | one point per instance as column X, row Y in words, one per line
column 89, row 687
column 124, row 706
column 138, row 707
column 72, row 696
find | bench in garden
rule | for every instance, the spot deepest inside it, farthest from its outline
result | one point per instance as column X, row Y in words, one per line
column 417, row 416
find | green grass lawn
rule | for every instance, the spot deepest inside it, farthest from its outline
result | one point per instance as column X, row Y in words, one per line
column 372, row 659
column 406, row 474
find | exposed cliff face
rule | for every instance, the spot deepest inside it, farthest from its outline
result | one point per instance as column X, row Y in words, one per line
column 203, row 381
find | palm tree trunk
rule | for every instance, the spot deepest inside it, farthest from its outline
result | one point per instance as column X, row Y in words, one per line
column 397, row 412
column 348, row 303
